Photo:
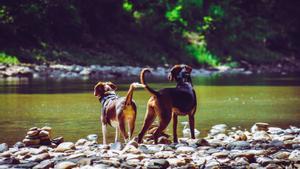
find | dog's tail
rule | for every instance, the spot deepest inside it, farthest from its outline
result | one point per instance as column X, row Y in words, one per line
column 128, row 99
column 142, row 78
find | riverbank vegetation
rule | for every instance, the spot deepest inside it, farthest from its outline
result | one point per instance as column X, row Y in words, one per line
column 195, row 32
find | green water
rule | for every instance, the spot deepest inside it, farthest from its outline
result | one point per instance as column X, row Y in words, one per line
column 74, row 113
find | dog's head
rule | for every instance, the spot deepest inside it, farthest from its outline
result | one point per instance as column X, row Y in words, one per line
column 103, row 87
column 180, row 72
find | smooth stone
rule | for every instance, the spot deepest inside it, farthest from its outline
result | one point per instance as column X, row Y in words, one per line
column 176, row 162
column 133, row 143
column 25, row 165
column 165, row 154
column 32, row 133
column 220, row 154
column 19, row 144
column 5, row 154
column 37, row 150
column 65, row 165
column 157, row 163
column 116, row 146
column 202, row 142
column 47, row 128
column 44, row 133
column 39, row 157
column 11, row 160
column 46, row 164
column 276, row 143
column 3, row 147
column 261, row 136
column 85, row 162
column 33, row 128
column 295, row 156
column 264, row 161
column 262, row 125
column 238, row 145
column 282, row 155
column 80, row 142
column 92, row 137
column 65, row 146
column 58, row 140
column 164, row 140
column 132, row 162
column 185, row 149
column 273, row 166
column 240, row 161
column 73, row 156
column 30, row 142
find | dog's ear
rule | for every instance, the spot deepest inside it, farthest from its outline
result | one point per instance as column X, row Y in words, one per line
column 188, row 68
column 112, row 86
column 98, row 89
column 174, row 72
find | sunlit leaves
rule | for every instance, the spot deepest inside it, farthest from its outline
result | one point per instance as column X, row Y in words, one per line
column 4, row 58
column 127, row 6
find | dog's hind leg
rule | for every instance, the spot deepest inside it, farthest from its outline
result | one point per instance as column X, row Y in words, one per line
column 163, row 123
column 131, row 127
column 149, row 118
column 122, row 127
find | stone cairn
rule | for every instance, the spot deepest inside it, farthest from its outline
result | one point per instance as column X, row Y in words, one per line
column 41, row 136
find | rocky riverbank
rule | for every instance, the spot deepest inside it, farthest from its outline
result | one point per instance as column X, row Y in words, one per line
column 262, row 147
column 97, row 71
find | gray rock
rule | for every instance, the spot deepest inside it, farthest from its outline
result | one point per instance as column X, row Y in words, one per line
column 264, row 161
column 65, row 165
column 19, row 144
column 92, row 137
column 65, row 146
column 238, row 145
column 295, row 156
column 157, row 164
column 3, row 147
column 185, row 150
column 44, row 165
column 116, row 146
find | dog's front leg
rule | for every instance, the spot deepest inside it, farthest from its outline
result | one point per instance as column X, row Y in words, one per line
column 192, row 125
column 117, row 134
column 104, row 133
column 175, row 139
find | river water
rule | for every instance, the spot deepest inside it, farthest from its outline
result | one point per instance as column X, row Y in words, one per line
column 70, row 108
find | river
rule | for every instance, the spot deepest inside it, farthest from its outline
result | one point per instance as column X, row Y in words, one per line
column 70, row 108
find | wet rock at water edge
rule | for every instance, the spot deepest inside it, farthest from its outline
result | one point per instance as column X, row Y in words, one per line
column 3, row 147
column 65, row 146
column 116, row 146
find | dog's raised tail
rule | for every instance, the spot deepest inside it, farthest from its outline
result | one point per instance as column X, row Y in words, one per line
column 142, row 78
column 128, row 99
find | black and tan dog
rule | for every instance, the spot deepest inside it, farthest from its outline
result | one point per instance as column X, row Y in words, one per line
column 116, row 111
column 168, row 103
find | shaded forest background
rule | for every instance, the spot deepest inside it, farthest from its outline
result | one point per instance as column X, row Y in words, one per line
column 143, row 32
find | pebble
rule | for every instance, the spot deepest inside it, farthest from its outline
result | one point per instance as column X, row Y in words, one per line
column 3, row 147
column 65, row 146
column 65, row 165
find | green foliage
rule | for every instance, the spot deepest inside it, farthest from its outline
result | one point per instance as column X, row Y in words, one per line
column 127, row 6
column 8, row 59
column 150, row 32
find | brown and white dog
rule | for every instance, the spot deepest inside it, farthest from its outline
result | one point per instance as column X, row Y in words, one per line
column 168, row 103
column 116, row 111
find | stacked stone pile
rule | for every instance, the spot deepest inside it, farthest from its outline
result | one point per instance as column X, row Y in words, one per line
column 41, row 136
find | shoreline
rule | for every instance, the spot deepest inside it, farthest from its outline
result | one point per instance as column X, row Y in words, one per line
column 59, row 71
column 261, row 147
